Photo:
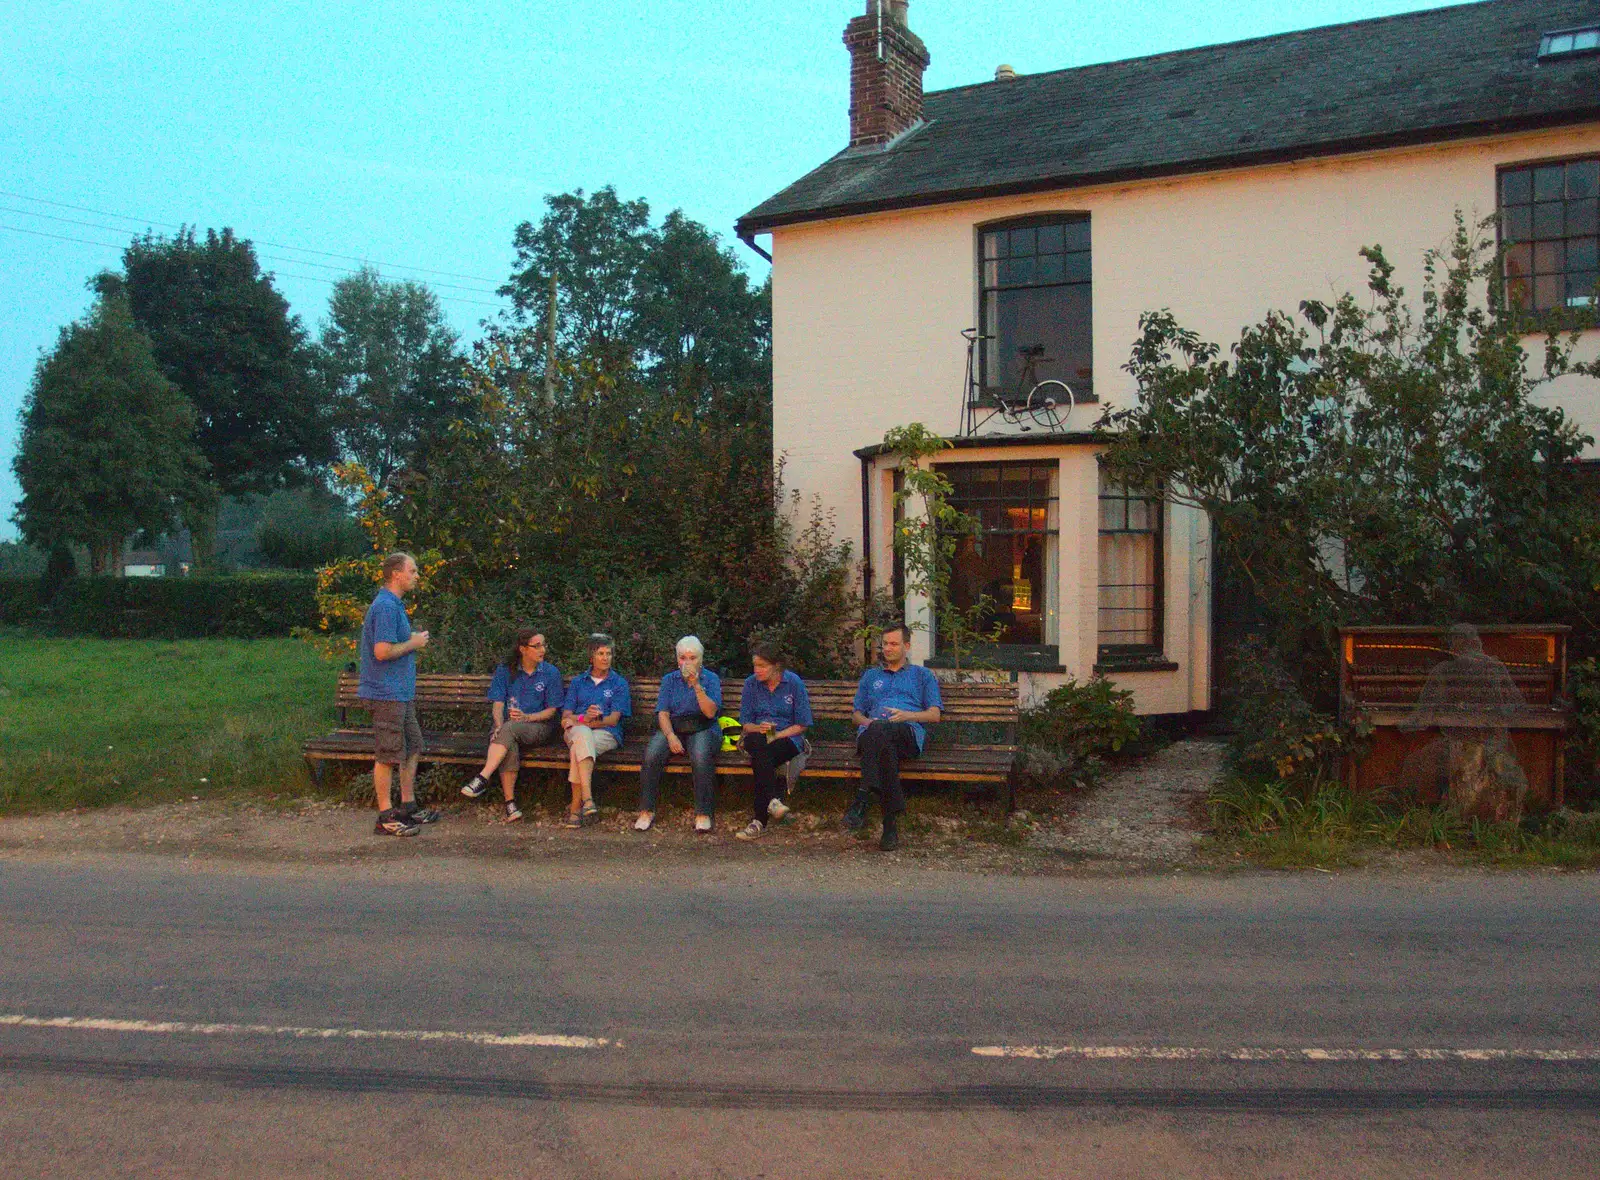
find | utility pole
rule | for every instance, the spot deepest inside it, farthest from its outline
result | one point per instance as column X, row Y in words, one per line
column 550, row 347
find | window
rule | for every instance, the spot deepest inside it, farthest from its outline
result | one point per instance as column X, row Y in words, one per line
column 1570, row 41
column 1549, row 221
column 1014, row 558
column 1035, row 294
column 1130, row 571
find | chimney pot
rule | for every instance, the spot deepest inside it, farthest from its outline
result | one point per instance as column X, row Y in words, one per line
column 1005, row 74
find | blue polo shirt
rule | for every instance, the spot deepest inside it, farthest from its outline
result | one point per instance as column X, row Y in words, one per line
column 678, row 699
column 788, row 704
column 387, row 680
column 532, row 692
column 611, row 694
column 913, row 688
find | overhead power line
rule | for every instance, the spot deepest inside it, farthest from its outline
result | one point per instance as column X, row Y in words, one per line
column 116, row 229
column 147, row 221
column 284, row 274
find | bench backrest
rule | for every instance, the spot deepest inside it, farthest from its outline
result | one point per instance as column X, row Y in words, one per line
column 831, row 700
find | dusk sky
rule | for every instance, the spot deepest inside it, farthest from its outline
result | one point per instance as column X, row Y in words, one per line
column 417, row 135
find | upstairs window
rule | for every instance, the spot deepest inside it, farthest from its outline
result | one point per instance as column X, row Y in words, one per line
column 1130, row 572
column 1568, row 42
column 1549, row 226
column 1014, row 558
column 1035, row 295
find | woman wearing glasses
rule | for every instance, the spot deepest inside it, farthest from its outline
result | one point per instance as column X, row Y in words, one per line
column 525, row 696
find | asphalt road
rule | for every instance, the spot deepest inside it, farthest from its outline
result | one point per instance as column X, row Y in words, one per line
column 763, row 1020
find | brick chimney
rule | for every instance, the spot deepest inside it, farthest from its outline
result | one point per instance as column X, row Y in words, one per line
column 886, row 64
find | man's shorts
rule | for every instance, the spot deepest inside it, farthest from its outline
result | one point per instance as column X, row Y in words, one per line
column 397, row 735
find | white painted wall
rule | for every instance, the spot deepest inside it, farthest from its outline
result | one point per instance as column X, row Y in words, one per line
column 867, row 315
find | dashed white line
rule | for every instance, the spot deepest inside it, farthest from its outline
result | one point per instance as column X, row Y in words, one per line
column 182, row 1027
column 1197, row 1053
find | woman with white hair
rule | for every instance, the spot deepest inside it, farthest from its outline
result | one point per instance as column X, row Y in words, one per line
column 686, row 720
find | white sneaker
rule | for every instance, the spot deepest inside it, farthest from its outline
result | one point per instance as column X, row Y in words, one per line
column 643, row 823
column 753, row 830
column 776, row 809
column 702, row 823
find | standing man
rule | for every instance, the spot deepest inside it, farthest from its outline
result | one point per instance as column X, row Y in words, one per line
column 389, row 691
column 893, row 702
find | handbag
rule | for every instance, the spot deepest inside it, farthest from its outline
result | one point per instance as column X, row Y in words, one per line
column 689, row 724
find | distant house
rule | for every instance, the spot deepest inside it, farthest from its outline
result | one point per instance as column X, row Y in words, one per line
column 143, row 563
column 1053, row 209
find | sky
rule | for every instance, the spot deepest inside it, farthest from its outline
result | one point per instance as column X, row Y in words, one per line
column 416, row 136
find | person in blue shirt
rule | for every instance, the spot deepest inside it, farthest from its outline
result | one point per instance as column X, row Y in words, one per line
column 893, row 702
column 686, row 712
column 525, row 697
column 388, row 691
column 591, row 721
column 774, row 714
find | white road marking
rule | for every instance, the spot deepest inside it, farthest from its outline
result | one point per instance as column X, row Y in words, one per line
column 181, row 1027
column 1185, row 1053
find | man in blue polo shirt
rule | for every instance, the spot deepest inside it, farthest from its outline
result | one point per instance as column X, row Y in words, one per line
column 388, row 692
column 893, row 702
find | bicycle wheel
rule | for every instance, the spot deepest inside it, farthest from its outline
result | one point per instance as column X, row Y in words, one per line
column 1048, row 400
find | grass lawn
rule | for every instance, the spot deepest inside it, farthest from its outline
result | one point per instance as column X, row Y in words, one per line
column 88, row 722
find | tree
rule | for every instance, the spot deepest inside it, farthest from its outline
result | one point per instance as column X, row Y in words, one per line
column 1362, row 462
column 107, row 443
column 391, row 369
column 671, row 302
column 223, row 334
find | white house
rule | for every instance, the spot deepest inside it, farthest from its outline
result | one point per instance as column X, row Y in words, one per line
column 1053, row 209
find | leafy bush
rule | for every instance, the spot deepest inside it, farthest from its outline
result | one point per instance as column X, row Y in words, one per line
column 1065, row 736
column 242, row 607
column 302, row 529
column 1276, row 732
column 1583, row 741
column 19, row 560
column 19, row 601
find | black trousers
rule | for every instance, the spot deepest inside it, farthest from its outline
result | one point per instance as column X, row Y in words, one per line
column 881, row 746
column 765, row 758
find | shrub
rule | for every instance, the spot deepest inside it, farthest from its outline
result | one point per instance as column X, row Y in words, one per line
column 303, row 528
column 1276, row 732
column 19, row 601
column 1065, row 736
column 242, row 607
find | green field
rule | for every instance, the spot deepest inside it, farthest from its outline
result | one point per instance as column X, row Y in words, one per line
column 88, row 722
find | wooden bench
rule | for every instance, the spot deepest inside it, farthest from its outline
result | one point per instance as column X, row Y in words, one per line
column 456, row 725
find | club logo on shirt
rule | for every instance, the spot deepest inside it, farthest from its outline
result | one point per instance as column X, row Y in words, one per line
column 877, row 685
column 607, row 694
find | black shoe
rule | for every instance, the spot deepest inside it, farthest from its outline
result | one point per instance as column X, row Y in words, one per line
column 475, row 788
column 890, row 840
column 855, row 817
column 418, row 815
column 392, row 823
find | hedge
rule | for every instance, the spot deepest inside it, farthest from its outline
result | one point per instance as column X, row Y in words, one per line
column 245, row 606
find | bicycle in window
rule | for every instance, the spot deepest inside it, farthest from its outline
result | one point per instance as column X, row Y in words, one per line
column 1030, row 403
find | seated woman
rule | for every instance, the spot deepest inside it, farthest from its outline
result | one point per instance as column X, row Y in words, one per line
column 774, row 713
column 686, row 722
column 591, row 721
column 525, row 697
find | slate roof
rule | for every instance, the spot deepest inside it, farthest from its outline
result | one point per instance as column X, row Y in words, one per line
column 1420, row 77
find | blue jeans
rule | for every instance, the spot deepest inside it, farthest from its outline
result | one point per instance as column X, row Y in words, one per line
column 702, row 750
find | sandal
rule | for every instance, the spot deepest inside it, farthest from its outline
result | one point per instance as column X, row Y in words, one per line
column 589, row 810
column 573, row 820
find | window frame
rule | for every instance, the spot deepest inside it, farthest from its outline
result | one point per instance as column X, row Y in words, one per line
column 1111, row 654
column 1504, row 244
column 1051, row 505
column 982, row 392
